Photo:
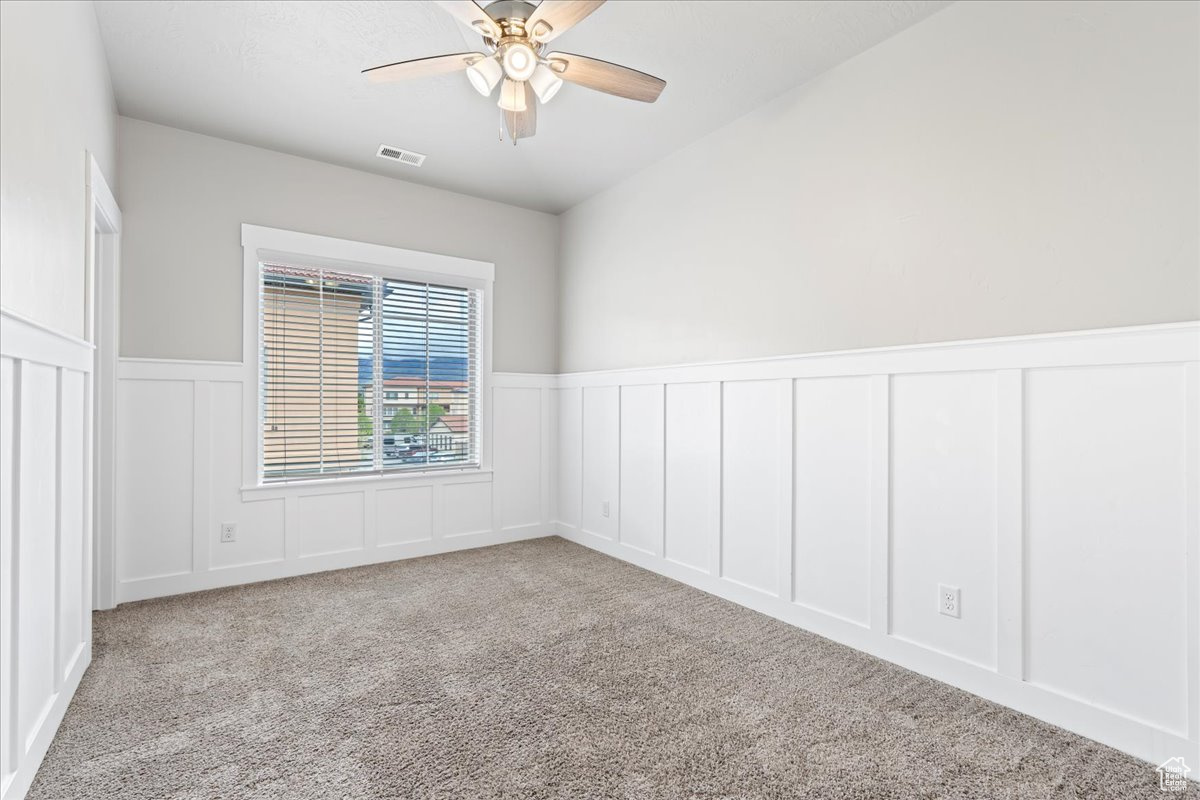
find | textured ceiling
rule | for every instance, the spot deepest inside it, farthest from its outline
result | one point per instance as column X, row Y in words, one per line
column 285, row 75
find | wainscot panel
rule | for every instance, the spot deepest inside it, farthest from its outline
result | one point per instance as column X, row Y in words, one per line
column 183, row 436
column 1052, row 481
column 45, row 538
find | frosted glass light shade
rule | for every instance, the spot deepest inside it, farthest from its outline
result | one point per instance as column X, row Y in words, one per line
column 484, row 74
column 545, row 83
column 519, row 62
column 512, row 95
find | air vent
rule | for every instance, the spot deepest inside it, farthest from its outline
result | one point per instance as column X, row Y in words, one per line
column 401, row 155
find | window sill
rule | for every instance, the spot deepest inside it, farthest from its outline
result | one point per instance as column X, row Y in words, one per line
column 358, row 483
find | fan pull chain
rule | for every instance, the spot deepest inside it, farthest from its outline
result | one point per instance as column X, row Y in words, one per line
column 500, row 131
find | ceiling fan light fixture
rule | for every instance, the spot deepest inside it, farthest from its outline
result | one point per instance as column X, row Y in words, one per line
column 545, row 83
column 512, row 96
column 519, row 61
column 484, row 74
column 515, row 33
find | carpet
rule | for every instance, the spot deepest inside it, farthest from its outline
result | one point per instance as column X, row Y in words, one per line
column 538, row 669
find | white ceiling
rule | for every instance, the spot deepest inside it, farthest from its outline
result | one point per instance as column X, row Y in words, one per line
column 285, row 75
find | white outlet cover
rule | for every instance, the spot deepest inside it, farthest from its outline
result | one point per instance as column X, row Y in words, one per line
column 228, row 531
column 604, row 508
column 949, row 600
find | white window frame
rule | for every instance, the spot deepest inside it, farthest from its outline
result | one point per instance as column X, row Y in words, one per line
column 261, row 244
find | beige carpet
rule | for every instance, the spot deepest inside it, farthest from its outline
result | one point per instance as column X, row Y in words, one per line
column 537, row 669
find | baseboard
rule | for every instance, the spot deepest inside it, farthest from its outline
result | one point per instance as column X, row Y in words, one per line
column 1107, row 727
column 167, row 585
column 19, row 782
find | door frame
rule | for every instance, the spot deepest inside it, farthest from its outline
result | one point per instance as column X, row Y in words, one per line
column 102, row 329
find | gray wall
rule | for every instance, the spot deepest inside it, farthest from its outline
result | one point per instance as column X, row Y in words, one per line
column 56, row 104
column 998, row 169
column 184, row 196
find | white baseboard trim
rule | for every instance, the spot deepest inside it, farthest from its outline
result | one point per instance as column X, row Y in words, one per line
column 219, row 578
column 1108, row 727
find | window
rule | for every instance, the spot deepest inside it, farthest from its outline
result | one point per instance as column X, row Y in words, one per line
column 334, row 344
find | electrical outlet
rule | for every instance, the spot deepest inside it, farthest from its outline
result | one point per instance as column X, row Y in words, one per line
column 949, row 600
column 604, row 509
column 228, row 531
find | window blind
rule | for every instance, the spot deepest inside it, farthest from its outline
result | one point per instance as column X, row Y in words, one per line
column 361, row 373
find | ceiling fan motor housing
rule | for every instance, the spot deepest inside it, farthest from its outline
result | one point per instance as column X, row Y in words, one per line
column 515, row 10
column 510, row 15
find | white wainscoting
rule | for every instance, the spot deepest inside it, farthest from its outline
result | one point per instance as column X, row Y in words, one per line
column 1053, row 479
column 45, row 538
column 179, row 477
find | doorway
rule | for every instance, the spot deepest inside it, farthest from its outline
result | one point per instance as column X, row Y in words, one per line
column 102, row 330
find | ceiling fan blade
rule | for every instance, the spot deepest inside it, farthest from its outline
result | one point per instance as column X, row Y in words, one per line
column 606, row 77
column 469, row 13
column 523, row 124
column 421, row 67
column 552, row 18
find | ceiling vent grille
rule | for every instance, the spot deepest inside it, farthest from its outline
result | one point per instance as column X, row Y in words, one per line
column 400, row 154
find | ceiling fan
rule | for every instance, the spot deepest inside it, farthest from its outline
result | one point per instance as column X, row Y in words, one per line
column 515, row 34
